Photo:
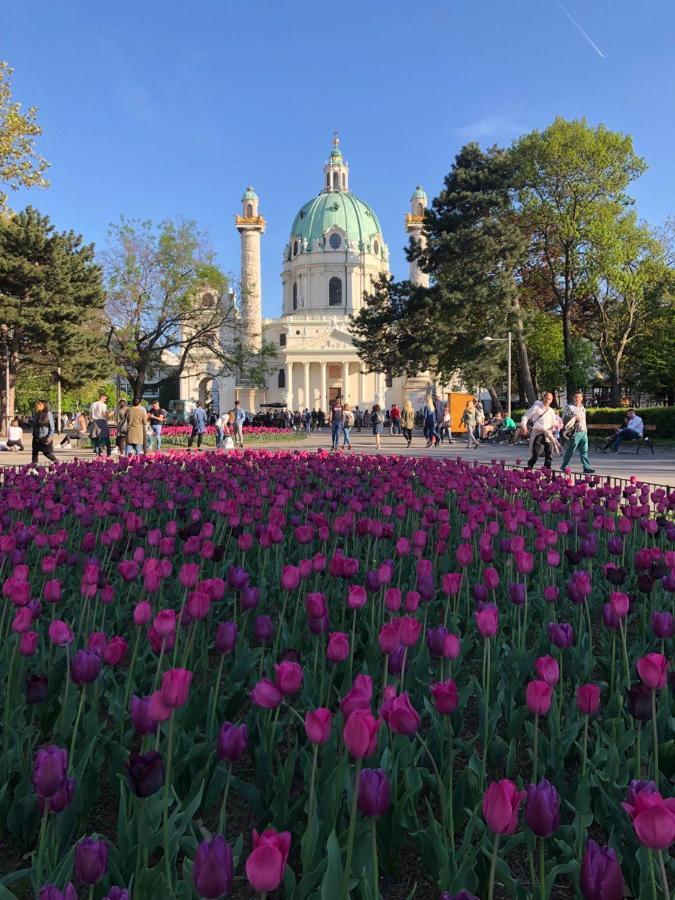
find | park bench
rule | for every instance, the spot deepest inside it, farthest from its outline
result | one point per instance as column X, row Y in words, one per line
column 602, row 431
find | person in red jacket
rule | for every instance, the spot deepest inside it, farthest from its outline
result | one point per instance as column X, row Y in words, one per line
column 395, row 419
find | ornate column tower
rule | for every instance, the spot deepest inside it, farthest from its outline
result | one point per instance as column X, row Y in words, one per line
column 414, row 223
column 251, row 226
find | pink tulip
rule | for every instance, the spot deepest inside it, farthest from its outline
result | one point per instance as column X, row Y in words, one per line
column 538, row 696
column 265, row 866
column 165, row 623
column 402, row 718
column 358, row 697
column 487, row 620
column 357, row 596
column 392, row 599
column 412, row 601
column 410, row 631
column 60, row 634
column 23, row 619
column 547, row 669
column 142, row 613
column 653, row 819
column 158, row 709
column 446, row 696
column 289, row 677
column 176, row 687
column 360, row 733
column 653, row 670
column 318, row 725
column 52, row 591
column 588, row 699
column 290, row 578
column 28, row 643
column 464, row 555
column 198, row 605
column 620, row 604
column 266, row 694
column 315, row 605
column 189, row 574
column 115, row 651
column 337, row 649
column 501, row 802
column 390, row 636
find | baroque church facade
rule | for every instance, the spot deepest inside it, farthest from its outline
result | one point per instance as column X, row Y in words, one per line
column 335, row 250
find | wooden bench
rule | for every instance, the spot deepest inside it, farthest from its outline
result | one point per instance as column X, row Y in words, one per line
column 601, row 433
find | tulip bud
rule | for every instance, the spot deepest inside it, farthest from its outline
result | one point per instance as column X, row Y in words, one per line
column 263, row 629
column 141, row 717
column 176, row 687
column 266, row 694
column 403, row 718
column 373, row 792
column 51, row 892
column 358, row 696
column 547, row 669
column 640, row 702
column 487, row 620
column 36, row 688
column 446, row 697
column 600, row 877
column 265, row 866
column 232, row 742
column 91, row 860
column 226, row 637
column 318, row 725
column 588, row 699
column 663, row 625
column 213, row 868
column 538, row 696
column 145, row 773
column 561, row 635
column 501, row 802
column 337, row 649
column 49, row 770
column 289, row 677
column 360, row 733
column 542, row 808
column 653, row 670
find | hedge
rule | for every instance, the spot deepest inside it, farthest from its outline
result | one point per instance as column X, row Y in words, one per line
column 661, row 416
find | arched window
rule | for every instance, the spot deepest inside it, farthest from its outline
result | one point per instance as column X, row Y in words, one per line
column 420, row 209
column 282, row 339
column 295, row 295
column 295, row 248
column 336, row 181
column 344, row 182
column 327, row 179
column 281, row 380
column 335, row 291
column 249, row 210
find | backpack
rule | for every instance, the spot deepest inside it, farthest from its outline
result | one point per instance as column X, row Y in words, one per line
column 349, row 419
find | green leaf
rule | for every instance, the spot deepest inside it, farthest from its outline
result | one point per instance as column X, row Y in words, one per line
column 332, row 886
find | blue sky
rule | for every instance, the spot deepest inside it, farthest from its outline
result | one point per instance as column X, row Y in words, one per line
column 163, row 108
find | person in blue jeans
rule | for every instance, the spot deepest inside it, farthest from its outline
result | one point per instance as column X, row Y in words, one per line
column 239, row 419
column 156, row 416
column 336, row 423
column 347, row 425
column 633, row 430
column 198, row 422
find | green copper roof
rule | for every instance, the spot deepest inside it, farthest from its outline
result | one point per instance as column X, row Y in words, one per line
column 249, row 194
column 336, row 208
column 419, row 194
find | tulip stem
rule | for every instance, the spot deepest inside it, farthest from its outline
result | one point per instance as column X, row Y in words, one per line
column 611, row 666
column 41, row 846
column 625, row 651
column 139, row 841
column 127, row 687
column 486, row 698
column 542, row 870
column 223, row 805
column 376, row 864
column 167, row 792
column 351, row 647
column 664, row 876
column 650, row 854
column 656, row 739
column 8, row 701
column 76, row 726
column 451, row 792
column 214, row 701
column 638, row 752
column 312, row 779
column 352, row 825
column 584, row 758
column 439, row 781
column 493, row 868
column 91, row 892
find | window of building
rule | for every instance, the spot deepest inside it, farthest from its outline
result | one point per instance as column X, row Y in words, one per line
column 336, row 181
column 376, row 247
column 335, row 241
column 335, row 291
column 420, row 209
column 388, row 381
column 344, row 182
column 282, row 339
column 249, row 210
column 295, row 248
column 327, row 179
column 295, row 295
column 281, row 380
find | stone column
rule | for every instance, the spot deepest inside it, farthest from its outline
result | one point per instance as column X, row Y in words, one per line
column 251, row 228
column 324, row 387
column 289, row 385
column 345, row 381
column 306, row 387
column 362, row 389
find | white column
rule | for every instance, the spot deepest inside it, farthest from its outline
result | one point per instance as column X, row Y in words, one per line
column 361, row 388
column 324, row 386
column 307, row 404
column 345, row 381
column 289, row 385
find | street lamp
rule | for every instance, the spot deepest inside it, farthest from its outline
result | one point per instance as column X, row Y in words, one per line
column 507, row 340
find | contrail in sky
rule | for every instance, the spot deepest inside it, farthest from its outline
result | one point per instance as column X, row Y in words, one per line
column 579, row 28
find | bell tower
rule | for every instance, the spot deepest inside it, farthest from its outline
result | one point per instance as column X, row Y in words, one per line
column 250, row 226
column 414, row 225
column 336, row 170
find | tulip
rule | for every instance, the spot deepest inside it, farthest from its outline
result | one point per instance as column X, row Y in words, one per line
column 588, row 699
column 290, row 578
column 517, row 593
column 600, row 877
column 49, row 771
column 410, row 631
column 213, row 868
column 60, row 634
column 374, row 792
column 359, row 695
column 91, row 860
column 117, row 893
column 232, row 742
column 460, row 895
column 141, row 716
column 487, row 620
column 446, row 696
column 198, row 605
column 28, row 643
column 640, row 702
column 390, row 636
column 360, row 733
column 51, row 892
column 561, row 635
column 159, row 710
column 165, row 623
column 145, row 773
column 188, row 575
column 542, row 808
column 337, row 649
column 176, row 687
column 263, row 629
column 266, row 694
column 142, row 613
column 356, row 597
column 663, row 625
column 547, row 669
column 318, row 725
column 501, row 802
column 115, row 651
column 620, row 604
column 392, row 599
column 315, row 605
column 289, row 677
column 265, row 866
column 402, row 717
column 36, row 688
column 653, row 819
column 653, row 670
column 61, row 799
column 538, row 696
column 85, row 666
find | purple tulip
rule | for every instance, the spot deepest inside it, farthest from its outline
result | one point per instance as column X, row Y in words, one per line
column 49, row 771
column 542, row 808
column 141, row 717
column 640, row 702
column 374, row 792
column 561, row 635
column 600, row 877
column 517, row 593
column 85, row 666
column 610, row 618
column 61, row 799
column 460, row 895
column 226, row 637
column 91, row 860
column 663, row 625
column 232, row 742
column 213, row 868
column 263, row 629
column 51, row 892
column 37, row 688
column 396, row 660
column 145, row 773
column 117, row 893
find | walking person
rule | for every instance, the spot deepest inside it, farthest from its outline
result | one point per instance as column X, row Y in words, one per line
column 377, row 422
column 122, row 427
column 347, row 425
column 336, row 424
column 408, row 421
column 469, row 422
column 198, row 422
column 395, row 417
column 480, row 420
column 430, row 423
column 239, row 419
column 446, row 426
column 15, row 436
column 100, row 433
column 43, row 432
column 137, row 422
column 540, row 422
column 156, row 419
column 574, row 419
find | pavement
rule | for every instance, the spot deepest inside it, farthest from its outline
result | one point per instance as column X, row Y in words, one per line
column 657, row 469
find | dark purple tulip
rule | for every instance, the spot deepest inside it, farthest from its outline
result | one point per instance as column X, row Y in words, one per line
column 663, row 625
column 36, row 688
column 574, row 557
column 141, row 717
column 372, row 582
column 615, row 545
column 480, row 592
column 145, row 773
column 616, row 575
column 374, row 792
column 542, row 808
column 91, row 860
column 639, row 787
column 226, row 637
column 318, row 625
column 61, row 799
column 49, row 771
column 436, row 640
column 640, row 702
column 51, row 892
column 232, row 742
column 517, row 593
column 263, row 629
column 600, row 877
column 668, row 582
column 213, row 868
column 238, row 577
column 426, row 587
column 645, row 582
column 117, row 893
column 249, row 598
column 85, row 666
column 396, row 660
column 561, row 634
column 610, row 618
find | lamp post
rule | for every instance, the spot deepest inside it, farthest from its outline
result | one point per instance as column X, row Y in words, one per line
column 506, row 340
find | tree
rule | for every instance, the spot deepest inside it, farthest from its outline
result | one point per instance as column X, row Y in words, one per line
column 51, row 300
column 20, row 164
column 167, row 305
column 572, row 181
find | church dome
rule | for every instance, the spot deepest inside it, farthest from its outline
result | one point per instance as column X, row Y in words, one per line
column 337, row 210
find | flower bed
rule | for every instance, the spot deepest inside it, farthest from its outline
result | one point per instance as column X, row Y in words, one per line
column 309, row 675
column 177, row 435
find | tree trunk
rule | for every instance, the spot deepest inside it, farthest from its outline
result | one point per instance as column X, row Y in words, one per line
column 494, row 400
column 615, row 383
column 522, row 399
column 523, row 359
column 137, row 383
column 570, row 387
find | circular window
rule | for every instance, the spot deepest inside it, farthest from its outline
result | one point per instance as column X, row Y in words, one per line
column 295, row 248
column 376, row 247
column 335, row 241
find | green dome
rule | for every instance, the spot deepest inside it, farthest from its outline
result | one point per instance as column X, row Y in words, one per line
column 339, row 209
column 249, row 194
column 419, row 193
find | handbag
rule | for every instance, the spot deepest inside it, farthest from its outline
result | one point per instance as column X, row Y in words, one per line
column 228, row 443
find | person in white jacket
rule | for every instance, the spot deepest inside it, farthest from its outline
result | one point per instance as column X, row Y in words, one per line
column 539, row 422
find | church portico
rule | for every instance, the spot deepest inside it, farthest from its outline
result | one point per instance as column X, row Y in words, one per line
column 317, row 383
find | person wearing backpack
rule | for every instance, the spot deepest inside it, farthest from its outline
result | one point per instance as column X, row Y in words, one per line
column 347, row 425
column 198, row 422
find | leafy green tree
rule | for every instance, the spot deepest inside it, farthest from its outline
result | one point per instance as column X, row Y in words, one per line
column 572, row 181
column 20, row 164
column 51, row 302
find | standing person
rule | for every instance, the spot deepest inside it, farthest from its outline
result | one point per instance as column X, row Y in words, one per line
column 469, row 422
column 633, row 430
column 219, row 425
column 446, row 425
column 395, row 416
column 540, row 421
column 98, row 415
column 336, row 424
column 137, row 421
column 15, row 435
column 198, row 422
column 122, row 427
column 307, row 420
column 347, row 425
column 574, row 418
column 377, row 421
column 43, row 432
column 156, row 418
column 430, row 423
column 480, row 419
column 408, row 421
column 239, row 419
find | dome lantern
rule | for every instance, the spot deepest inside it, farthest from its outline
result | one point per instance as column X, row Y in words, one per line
column 336, row 170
